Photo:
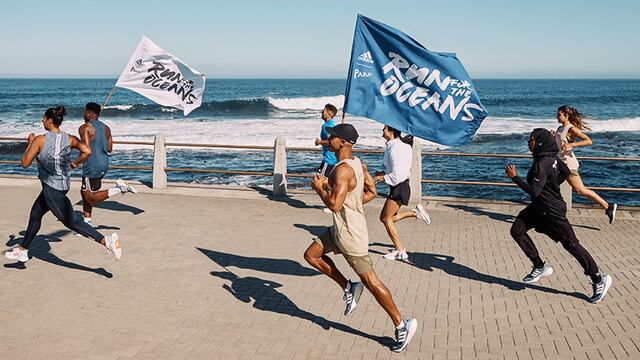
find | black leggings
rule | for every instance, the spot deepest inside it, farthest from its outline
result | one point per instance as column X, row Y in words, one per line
column 57, row 202
column 558, row 229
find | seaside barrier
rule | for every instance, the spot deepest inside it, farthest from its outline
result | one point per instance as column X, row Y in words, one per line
column 280, row 174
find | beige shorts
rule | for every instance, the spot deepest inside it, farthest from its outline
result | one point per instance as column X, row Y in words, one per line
column 359, row 264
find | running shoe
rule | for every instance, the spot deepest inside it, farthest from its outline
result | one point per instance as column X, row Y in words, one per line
column 113, row 245
column 404, row 334
column 124, row 187
column 352, row 296
column 600, row 289
column 422, row 214
column 17, row 254
column 396, row 255
column 538, row 273
column 611, row 212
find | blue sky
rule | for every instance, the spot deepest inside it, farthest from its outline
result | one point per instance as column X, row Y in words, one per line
column 312, row 39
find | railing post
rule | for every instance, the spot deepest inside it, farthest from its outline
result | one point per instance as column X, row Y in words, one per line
column 280, row 167
column 416, row 174
column 159, row 162
column 565, row 191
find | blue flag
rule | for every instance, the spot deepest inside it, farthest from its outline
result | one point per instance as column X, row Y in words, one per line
column 396, row 81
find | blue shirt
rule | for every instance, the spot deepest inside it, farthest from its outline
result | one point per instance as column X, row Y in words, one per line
column 328, row 157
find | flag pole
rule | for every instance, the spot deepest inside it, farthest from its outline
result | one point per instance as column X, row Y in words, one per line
column 343, row 114
column 108, row 96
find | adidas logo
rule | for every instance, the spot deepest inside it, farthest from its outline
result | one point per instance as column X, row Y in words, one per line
column 366, row 57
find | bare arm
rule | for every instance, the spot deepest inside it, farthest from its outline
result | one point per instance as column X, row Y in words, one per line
column 322, row 142
column 34, row 146
column 335, row 198
column 84, row 149
column 369, row 192
column 577, row 134
column 107, row 132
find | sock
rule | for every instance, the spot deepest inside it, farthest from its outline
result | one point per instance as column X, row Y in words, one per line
column 87, row 220
column 537, row 262
column 596, row 278
column 348, row 288
column 113, row 191
column 401, row 324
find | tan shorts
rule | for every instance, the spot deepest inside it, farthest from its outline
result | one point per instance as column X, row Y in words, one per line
column 359, row 264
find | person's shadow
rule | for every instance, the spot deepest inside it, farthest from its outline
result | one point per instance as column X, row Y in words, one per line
column 41, row 250
column 115, row 206
column 274, row 266
column 298, row 204
column 428, row 262
column 481, row 212
column 500, row 217
column 315, row 230
column 267, row 298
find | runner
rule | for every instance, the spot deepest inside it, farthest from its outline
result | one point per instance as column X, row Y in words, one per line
column 397, row 163
column 97, row 135
column 52, row 151
column 328, row 157
column 547, row 213
column 566, row 136
column 348, row 187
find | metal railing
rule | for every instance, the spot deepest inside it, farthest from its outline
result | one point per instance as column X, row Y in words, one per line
column 279, row 174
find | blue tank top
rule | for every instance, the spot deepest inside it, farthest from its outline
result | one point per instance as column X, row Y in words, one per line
column 54, row 161
column 97, row 164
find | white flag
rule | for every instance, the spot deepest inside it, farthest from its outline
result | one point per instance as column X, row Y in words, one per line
column 162, row 77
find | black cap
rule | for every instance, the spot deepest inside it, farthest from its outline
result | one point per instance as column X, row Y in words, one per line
column 345, row 132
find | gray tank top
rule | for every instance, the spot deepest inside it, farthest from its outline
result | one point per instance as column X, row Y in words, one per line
column 54, row 161
column 97, row 164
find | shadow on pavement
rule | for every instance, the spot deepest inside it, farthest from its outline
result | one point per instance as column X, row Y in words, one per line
column 267, row 298
column 427, row 261
column 298, row 204
column 41, row 250
column 274, row 266
column 115, row 206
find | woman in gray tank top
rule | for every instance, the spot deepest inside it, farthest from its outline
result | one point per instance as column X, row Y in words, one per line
column 52, row 152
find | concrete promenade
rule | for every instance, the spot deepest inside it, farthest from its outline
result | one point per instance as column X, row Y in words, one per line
column 218, row 273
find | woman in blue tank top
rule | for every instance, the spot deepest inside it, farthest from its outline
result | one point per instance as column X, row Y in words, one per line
column 52, row 152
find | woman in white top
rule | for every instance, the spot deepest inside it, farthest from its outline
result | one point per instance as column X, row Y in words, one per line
column 566, row 136
column 397, row 163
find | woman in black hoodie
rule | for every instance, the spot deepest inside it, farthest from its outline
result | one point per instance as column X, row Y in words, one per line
column 547, row 213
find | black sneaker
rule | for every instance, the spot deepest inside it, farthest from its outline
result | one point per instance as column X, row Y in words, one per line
column 404, row 334
column 538, row 273
column 600, row 289
column 611, row 212
column 352, row 296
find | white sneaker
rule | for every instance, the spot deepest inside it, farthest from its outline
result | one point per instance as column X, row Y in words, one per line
column 17, row 254
column 422, row 214
column 124, row 187
column 396, row 255
column 352, row 296
column 113, row 245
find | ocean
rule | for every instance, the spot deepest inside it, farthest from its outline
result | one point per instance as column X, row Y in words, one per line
column 255, row 112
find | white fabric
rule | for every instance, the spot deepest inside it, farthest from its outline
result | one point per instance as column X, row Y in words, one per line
column 160, row 76
column 397, row 162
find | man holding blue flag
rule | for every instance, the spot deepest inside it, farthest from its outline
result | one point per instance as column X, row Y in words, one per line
column 395, row 80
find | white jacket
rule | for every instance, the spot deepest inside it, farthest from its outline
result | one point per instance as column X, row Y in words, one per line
column 397, row 162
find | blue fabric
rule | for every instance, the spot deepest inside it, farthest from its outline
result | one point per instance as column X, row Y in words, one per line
column 398, row 82
column 328, row 157
column 96, row 166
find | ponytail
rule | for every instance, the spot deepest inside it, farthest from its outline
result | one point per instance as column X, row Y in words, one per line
column 56, row 114
column 575, row 117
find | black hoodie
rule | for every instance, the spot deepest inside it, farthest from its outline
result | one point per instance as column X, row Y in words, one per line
column 545, row 176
